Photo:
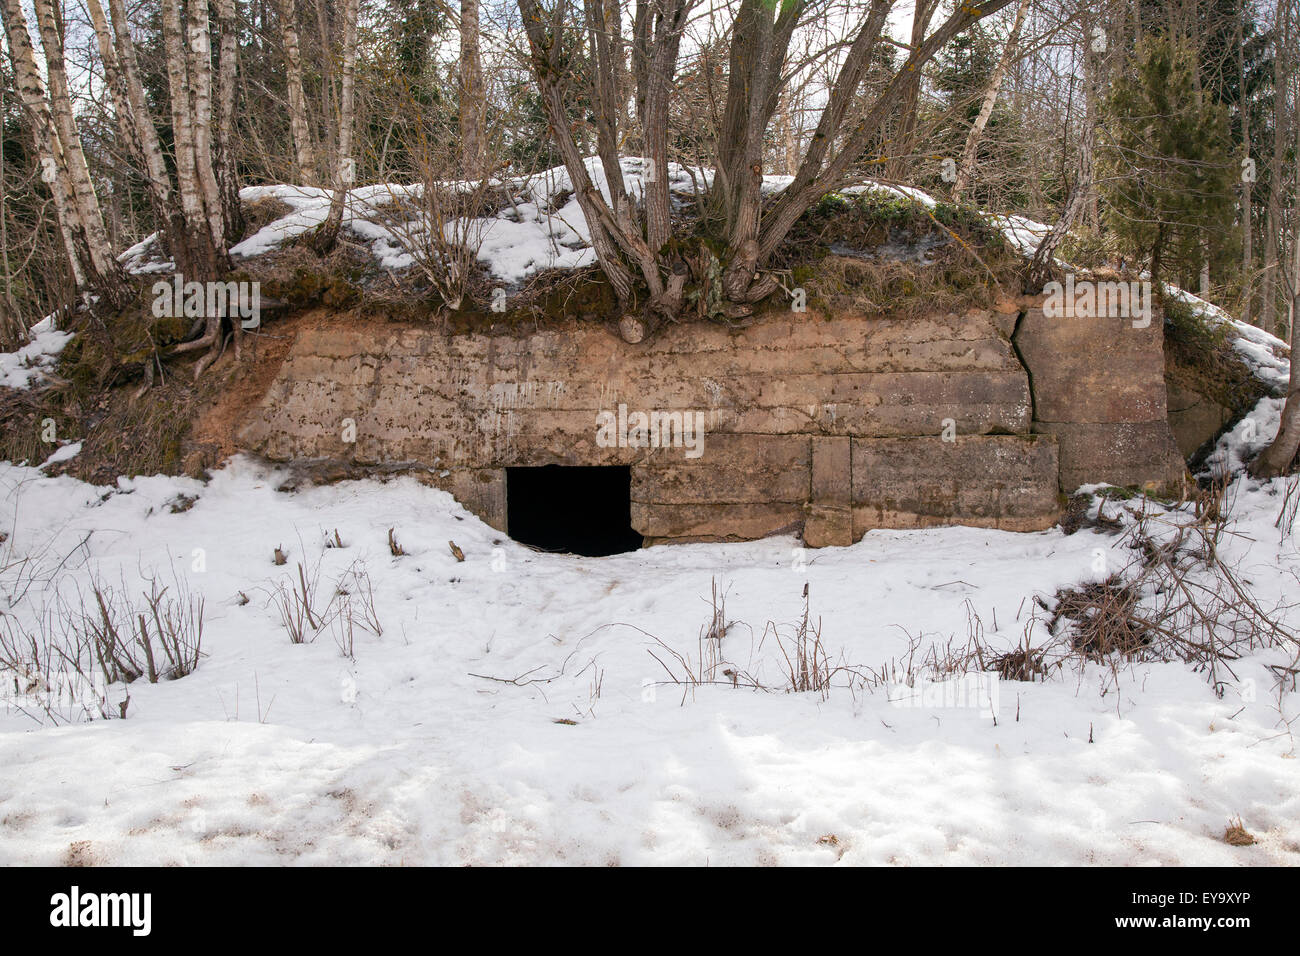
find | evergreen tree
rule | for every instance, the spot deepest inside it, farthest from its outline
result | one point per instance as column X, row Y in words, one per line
column 1168, row 172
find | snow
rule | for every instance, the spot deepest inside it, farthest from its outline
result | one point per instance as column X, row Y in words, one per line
column 145, row 258
column 439, row 742
column 1262, row 352
column 541, row 228
column 544, row 228
column 1242, row 442
column 29, row 364
column 65, row 452
column 537, row 231
column 514, row 710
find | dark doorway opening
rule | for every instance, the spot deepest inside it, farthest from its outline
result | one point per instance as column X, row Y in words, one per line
column 581, row 510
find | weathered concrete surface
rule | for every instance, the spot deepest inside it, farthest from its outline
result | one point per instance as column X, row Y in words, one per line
column 993, row 481
column 1194, row 418
column 828, row 426
column 419, row 394
column 1098, row 386
column 830, row 513
column 1119, row 453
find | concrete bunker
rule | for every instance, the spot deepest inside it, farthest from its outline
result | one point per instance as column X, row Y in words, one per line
column 823, row 426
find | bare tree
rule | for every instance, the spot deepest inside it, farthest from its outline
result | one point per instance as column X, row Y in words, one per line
column 304, row 148
column 58, row 142
column 628, row 237
column 1283, row 40
column 1041, row 264
column 967, row 164
column 906, row 116
column 473, row 96
column 1248, row 232
column 1280, row 455
column 122, row 72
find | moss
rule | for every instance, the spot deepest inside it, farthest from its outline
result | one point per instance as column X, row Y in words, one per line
column 307, row 287
column 91, row 401
column 1200, row 357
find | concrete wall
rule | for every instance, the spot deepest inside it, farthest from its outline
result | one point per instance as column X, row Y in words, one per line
column 1099, row 389
column 832, row 426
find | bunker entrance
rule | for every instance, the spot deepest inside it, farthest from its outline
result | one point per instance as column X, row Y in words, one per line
column 579, row 510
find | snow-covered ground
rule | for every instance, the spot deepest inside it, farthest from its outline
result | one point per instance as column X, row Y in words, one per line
column 520, row 707
column 441, row 741
column 28, row 366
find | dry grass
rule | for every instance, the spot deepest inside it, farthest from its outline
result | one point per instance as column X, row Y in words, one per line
column 1237, row 835
column 1177, row 600
column 806, row 664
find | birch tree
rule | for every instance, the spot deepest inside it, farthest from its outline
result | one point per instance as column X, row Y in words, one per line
column 58, row 143
column 304, row 148
column 135, row 123
column 966, row 165
column 344, row 163
column 198, row 205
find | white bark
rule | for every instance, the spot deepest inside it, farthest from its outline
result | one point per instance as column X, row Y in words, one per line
column 967, row 165
column 199, row 65
column 117, row 51
column 304, row 150
column 31, row 90
column 82, row 188
column 187, row 179
column 347, row 115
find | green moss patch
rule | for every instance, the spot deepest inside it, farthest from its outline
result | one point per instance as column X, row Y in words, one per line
column 1199, row 356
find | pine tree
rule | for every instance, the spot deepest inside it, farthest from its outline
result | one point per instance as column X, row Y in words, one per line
column 1168, row 171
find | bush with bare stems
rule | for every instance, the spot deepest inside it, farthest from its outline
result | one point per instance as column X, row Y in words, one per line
column 304, row 613
column 83, row 641
column 1178, row 599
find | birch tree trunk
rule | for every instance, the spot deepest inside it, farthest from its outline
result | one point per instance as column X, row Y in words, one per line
column 976, row 132
column 102, row 263
column 344, row 164
column 31, row 91
column 199, row 67
column 202, row 252
column 223, row 158
column 122, row 70
column 304, row 150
